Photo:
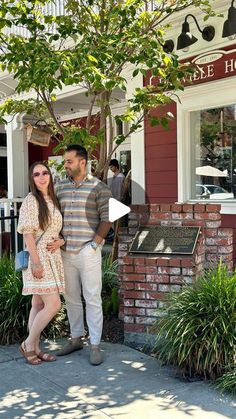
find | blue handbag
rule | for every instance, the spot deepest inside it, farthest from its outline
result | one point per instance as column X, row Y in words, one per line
column 21, row 260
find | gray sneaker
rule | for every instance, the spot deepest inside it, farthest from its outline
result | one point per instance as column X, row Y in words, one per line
column 96, row 355
column 74, row 344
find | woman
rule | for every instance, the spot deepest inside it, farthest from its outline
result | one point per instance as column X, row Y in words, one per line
column 40, row 222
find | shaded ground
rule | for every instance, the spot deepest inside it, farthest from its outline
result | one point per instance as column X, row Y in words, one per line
column 113, row 330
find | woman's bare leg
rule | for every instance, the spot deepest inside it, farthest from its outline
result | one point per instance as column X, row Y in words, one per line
column 51, row 305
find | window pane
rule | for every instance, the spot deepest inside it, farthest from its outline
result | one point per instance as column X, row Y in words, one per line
column 213, row 153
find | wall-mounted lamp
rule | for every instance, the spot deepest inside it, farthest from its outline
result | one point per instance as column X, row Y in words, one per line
column 186, row 39
column 229, row 29
column 168, row 46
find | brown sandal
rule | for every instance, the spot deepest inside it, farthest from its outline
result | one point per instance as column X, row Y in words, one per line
column 30, row 356
column 46, row 357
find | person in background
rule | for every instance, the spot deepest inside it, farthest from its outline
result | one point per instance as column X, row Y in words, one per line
column 84, row 202
column 117, row 180
column 40, row 222
column 3, row 192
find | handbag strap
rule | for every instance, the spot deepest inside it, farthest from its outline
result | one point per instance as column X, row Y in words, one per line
column 38, row 240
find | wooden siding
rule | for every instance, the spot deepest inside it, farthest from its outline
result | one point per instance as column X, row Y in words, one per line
column 161, row 161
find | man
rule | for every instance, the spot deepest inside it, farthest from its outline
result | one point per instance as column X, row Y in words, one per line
column 117, row 180
column 84, row 202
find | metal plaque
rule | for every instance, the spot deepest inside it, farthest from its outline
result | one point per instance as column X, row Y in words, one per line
column 165, row 239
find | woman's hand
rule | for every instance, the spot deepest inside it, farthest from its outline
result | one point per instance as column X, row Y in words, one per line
column 55, row 244
column 37, row 270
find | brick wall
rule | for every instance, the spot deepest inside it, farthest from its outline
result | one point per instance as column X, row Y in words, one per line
column 146, row 279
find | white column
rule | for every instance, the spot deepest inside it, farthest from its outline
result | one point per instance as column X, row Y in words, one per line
column 137, row 151
column 17, row 157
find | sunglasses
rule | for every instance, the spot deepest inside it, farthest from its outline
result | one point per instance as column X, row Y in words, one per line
column 44, row 173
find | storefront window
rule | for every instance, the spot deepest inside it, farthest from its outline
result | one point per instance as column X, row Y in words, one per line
column 213, row 139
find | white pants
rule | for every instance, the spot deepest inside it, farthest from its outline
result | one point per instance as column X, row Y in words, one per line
column 84, row 270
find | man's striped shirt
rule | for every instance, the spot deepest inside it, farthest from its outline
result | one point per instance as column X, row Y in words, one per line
column 83, row 207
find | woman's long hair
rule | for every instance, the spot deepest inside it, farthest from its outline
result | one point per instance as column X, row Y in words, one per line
column 44, row 215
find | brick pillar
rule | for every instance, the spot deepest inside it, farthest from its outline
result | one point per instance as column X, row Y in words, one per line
column 145, row 280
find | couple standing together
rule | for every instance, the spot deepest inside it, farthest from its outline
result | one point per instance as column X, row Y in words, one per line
column 64, row 230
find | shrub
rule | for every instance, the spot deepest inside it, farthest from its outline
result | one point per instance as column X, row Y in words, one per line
column 110, row 296
column 15, row 307
column 227, row 382
column 198, row 332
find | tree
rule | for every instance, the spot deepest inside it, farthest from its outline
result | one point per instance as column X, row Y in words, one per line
column 91, row 45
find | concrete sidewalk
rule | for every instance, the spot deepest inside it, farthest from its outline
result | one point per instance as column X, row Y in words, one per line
column 129, row 385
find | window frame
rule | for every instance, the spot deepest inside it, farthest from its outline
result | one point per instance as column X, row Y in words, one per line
column 210, row 95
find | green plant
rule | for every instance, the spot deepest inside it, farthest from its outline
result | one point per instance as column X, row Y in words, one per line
column 15, row 308
column 110, row 295
column 198, row 332
column 227, row 382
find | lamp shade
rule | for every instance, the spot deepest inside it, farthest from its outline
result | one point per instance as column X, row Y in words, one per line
column 185, row 39
column 229, row 27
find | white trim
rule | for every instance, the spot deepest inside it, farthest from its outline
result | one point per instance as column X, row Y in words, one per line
column 214, row 94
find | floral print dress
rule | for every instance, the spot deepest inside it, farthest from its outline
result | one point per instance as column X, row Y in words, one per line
column 52, row 280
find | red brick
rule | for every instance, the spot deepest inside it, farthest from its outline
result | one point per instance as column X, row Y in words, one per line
column 127, row 286
column 182, row 216
column 151, row 261
column 195, row 223
column 213, row 207
column 199, row 208
column 142, row 208
column 187, row 262
column 128, row 268
column 128, row 260
column 146, row 303
column 155, row 295
column 145, row 286
column 159, row 279
column 214, row 216
column 154, row 208
column 134, row 294
column 175, row 262
column 139, row 261
column 188, row 208
column 163, row 270
column 128, row 302
column 144, row 320
column 220, row 241
column 133, row 277
column 213, row 224
column 176, row 208
column 165, row 207
column 225, row 249
column 210, row 232
column 211, row 249
column 161, row 216
column 134, row 311
column 138, row 328
column 176, row 279
column 128, row 319
column 225, row 232
column 163, row 261
column 146, row 269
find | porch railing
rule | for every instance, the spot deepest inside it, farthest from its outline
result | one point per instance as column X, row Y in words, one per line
column 10, row 241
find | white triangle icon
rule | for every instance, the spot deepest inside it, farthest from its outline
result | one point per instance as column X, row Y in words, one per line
column 117, row 210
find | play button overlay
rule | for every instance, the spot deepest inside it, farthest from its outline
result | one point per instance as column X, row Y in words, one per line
column 117, row 209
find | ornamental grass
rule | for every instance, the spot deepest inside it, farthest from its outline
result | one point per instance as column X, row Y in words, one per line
column 198, row 332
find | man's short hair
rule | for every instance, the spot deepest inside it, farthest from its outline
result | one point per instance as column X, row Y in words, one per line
column 114, row 162
column 79, row 149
